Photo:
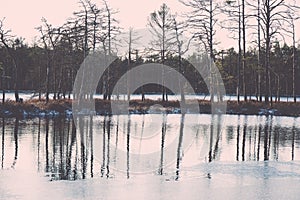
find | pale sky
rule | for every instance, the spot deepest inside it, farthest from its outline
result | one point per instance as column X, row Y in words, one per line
column 23, row 16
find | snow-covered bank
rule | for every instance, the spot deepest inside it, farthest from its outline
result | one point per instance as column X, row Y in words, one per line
column 28, row 95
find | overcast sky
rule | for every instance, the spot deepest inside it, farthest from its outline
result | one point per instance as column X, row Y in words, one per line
column 23, row 16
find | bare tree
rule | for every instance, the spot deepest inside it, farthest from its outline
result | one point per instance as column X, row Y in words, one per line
column 161, row 27
column 72, row 42
column 132, row 39
column 237, row 14
column 272, row 16
column 83, row 17
column 96, row 23
column 85, row 22
column 182, row 48
column 2, row 82
column 93, row 28
column 7, row 40
column 243, row 19
column 259, row 51
column 203, row 20
column 91, row 24
column 111, row 30
column 292, row 17
column 49, row 36
column 234, row 24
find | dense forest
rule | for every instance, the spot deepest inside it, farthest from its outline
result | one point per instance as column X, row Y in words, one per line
column 263, row 68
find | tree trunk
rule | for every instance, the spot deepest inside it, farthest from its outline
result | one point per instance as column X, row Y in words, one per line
column 212, row 57
column 267, row 61
column 244, row 50
column 239, row 59
column 3, row 87
column 47, row 80
column 294, row 63
column 259, row 52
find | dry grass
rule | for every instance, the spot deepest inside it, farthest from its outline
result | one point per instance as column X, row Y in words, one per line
column 103, row 106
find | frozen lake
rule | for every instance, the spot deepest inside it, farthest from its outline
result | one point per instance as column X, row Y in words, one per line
column 153, row 156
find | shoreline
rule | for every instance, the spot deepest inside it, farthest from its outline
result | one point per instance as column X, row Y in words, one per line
column 63, row 107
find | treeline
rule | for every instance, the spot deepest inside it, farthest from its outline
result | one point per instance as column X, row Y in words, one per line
column 32, row 69
column 267, row 69
column 282, row 82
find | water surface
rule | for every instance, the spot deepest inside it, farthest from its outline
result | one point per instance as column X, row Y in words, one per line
column 150, row 157
column 109, row 146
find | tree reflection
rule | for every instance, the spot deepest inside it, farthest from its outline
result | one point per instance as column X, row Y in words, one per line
column 293, row 138
column 266, row 139
column 179, row 148
column 218, row 136
column 105, row 166
column 238, row 140
column 211, row 139
column 67, row 149
column 69, row 154
column 128, row 146
column 163, row 134
column 47, row 144
column 68, row 157
column 3, row 143
column 39, row 144
column 92, row 145
column 16, row 131
column 276, row 133
column 108, row 129
column 103, row 147
column 82, row 146
column 72, row 150
column 258, row 143
column 244, row 138
column 215, row 133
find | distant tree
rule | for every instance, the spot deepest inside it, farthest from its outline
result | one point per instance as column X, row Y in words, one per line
column 49, row 37
column 292, row 17
column 272, row 15
column 37, row 75
column 161, row 27
column 259, row 68
column 227, row 64
column 182, row 48
column 202, row 21
column 81, row 27
column 280, row 56
column 233, row 23
column 7, row 40
column 243, row 21
column 2, row 81
column 235, row 9
column 109, row 38
column 130, row 41
column 83, row 30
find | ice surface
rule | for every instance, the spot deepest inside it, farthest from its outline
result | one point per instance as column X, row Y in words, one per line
column 216, row 180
